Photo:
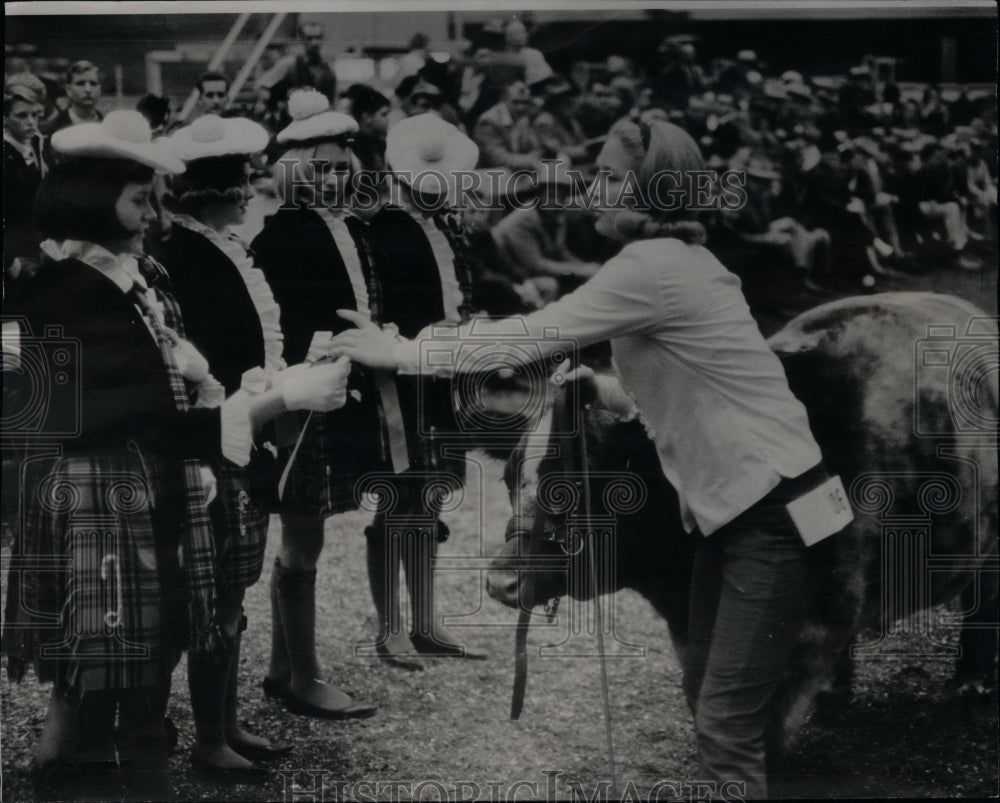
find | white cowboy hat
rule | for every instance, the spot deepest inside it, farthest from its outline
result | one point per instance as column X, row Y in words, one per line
column 211, row 135
column 424, row 147
column 312, row 118
column 122, row 134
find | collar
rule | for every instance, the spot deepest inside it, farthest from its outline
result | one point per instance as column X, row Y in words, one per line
column 122, row 269
column 24, row 148
column 77, row 119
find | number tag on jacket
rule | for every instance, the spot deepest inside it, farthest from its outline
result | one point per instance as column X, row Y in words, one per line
column 821, row 512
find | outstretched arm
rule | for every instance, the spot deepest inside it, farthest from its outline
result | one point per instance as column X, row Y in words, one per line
column 623, row 297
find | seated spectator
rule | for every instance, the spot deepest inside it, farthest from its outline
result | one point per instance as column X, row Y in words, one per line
column 533, row 239
column 933, row 191
column 981, row 190
column 505, row 135
column 680, row 76
column 535, row 67
column 598, row 110
column 827, row 201
column 767, row 231
column 558, row 130
column 933, row 113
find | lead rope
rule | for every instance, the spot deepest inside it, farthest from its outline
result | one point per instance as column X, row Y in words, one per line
column 592, row 559
column 548, row 421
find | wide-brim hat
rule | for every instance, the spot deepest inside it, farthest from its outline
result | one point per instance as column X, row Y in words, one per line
column 312, row 118
column 423, row 147
column 122, row 134
column 211, row 135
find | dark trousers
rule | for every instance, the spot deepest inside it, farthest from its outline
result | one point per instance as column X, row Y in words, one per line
column 750, row 590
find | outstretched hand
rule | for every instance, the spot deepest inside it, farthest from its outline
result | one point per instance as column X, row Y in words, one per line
column 368, row 344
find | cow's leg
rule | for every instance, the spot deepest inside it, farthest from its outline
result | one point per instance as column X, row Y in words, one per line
column 833, row 704
column 976, row 671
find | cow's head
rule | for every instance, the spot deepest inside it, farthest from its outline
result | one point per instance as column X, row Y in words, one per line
column 547, row 493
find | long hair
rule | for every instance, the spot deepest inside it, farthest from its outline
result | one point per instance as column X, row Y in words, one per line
column 657, row 148
column 77, row 199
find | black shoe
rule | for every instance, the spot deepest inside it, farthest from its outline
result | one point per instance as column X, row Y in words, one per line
column 304, row 708
column 210, row 772
column 411, row 662
column 273, row 690
column 439, row 649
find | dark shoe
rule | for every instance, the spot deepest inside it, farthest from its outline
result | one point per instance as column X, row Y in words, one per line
column 442, row 649
column 353, row 709
column 256, row 752
column 273, row 690
column 210, row 772
column 410, row 661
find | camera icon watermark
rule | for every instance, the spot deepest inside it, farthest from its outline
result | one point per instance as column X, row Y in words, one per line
column 499, row 382
column 41, row 376
column 963, row 369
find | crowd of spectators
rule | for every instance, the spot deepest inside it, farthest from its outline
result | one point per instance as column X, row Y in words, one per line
column 847, row 177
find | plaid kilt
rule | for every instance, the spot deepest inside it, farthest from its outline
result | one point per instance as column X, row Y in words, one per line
column 341, row 447
column 239, row 523
column 101, row 596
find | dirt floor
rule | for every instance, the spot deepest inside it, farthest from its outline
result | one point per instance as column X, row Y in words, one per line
column 444, row 733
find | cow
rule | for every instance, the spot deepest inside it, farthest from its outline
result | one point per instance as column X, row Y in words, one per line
column 901, row 392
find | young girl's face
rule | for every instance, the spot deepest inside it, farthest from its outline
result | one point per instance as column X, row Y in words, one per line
column 332, row 165
column 234, row 212
column 135, row 213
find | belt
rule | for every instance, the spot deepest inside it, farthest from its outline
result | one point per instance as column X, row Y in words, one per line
column 791, row 488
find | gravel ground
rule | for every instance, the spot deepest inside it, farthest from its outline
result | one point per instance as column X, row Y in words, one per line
column 905, row 735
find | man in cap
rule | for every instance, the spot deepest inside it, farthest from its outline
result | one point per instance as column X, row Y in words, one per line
column 306, row 68
column 558, row 130
column 534, row 239
column 23, row 168
column 504, row 132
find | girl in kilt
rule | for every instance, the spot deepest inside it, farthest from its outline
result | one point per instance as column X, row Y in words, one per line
column 414, row 285
column 310, row 260
column 232, row 318
column 113, row 572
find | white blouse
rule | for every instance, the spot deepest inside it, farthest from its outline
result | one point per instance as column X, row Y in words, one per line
column 712, row 395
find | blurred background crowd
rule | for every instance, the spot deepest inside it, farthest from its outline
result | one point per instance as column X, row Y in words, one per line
column 850, row 175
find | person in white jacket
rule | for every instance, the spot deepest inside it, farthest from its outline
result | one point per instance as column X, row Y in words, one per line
column 731, row 437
